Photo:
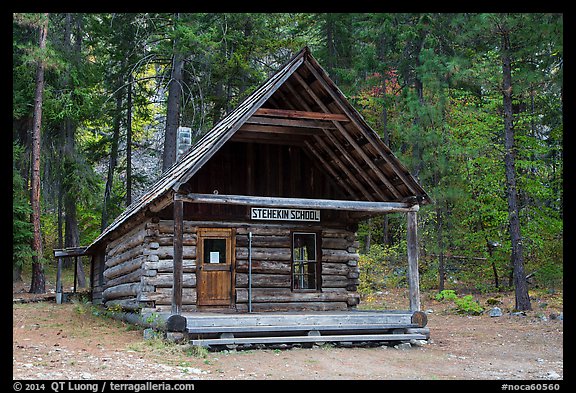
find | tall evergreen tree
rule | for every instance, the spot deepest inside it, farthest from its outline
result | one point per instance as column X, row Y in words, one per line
column 38, row 283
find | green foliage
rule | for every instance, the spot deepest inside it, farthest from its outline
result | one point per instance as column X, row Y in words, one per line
column 446, row 294
column 382, row 267
column 467, row 305
column 464, row 305
column 428, row 83
column 21, row 227
column 550, row 275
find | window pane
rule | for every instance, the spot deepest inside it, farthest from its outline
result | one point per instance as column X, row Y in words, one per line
column 304, row 261
column 214, row 250
column 304, row 247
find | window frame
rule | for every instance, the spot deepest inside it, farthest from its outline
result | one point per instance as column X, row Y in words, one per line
column 318, row 261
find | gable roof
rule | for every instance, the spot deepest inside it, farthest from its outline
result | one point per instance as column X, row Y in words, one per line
column 333, row 131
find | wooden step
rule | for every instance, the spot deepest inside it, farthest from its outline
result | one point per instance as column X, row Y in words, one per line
column 291, row 328
column 305, row 339
column 388, row 318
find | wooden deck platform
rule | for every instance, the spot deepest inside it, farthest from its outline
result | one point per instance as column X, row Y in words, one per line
column 228, row 330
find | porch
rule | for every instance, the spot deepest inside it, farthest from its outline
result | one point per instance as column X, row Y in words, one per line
column 231, row 329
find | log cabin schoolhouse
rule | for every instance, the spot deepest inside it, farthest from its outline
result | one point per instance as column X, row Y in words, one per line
column 259, row 216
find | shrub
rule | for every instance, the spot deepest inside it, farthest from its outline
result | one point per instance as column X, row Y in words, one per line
column 467, row 305
column 446, row 294
column 380, row 268
column 464, row 305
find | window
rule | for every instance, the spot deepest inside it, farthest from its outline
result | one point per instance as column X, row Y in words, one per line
column 214, row 251
column 304, row 261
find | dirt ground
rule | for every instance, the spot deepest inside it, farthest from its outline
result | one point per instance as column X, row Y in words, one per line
column 58, row 342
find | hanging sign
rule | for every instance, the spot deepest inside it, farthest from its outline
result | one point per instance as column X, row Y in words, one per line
column 264, row 213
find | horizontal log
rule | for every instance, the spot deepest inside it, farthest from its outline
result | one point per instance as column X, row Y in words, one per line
column 124, row 268
column 328, row 204
column 161, row 308
column 265, row 254
column 338, row 256
column 131, row 304
column 264, row 241
column 266, row 267
column 294, row 306
column 129, row 241
column 336, row 233
column 163, row 296
column 336, row 243
column 334, row 281
column 167, row 252
column 126, row 278
column 188, row 239
column 167, row 265
column 264, row 295
column 122, row 239
column 167, row 226
column 126, row 255
column 330, row 268
column 267, row 230
column 263, row 280
column 69, row 251
column 121, row 291
column 166, row 280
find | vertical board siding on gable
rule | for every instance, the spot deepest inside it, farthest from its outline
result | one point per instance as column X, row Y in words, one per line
column 264, row 170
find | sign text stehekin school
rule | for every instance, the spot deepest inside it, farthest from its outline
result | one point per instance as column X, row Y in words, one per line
column 259, row 213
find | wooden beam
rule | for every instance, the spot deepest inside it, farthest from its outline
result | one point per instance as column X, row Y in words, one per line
column 293, row 114
column 280, row 129
column 413, row 276
column 329, row 204
column 274, row 121
column 69, row 252
column 267, row 138
column 178, row 246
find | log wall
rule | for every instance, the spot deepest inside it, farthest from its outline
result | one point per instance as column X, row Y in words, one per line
column 123, row 269
column 158, row 266
column 139, row 268
column 271, row 271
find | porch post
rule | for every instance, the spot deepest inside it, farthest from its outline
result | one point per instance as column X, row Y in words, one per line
column 59, row 282
column 178, row 239
column 413, row 277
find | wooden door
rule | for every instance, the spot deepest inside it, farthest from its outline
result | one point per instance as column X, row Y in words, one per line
column 215, row 262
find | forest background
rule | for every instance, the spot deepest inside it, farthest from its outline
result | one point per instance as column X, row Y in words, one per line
column 466, row 101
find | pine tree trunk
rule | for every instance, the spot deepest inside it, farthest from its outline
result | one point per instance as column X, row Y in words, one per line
column 38, row 283
column 173, row 112
column 520, row 285
column 113, row 158
column 129, row 142
column 173, row 108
